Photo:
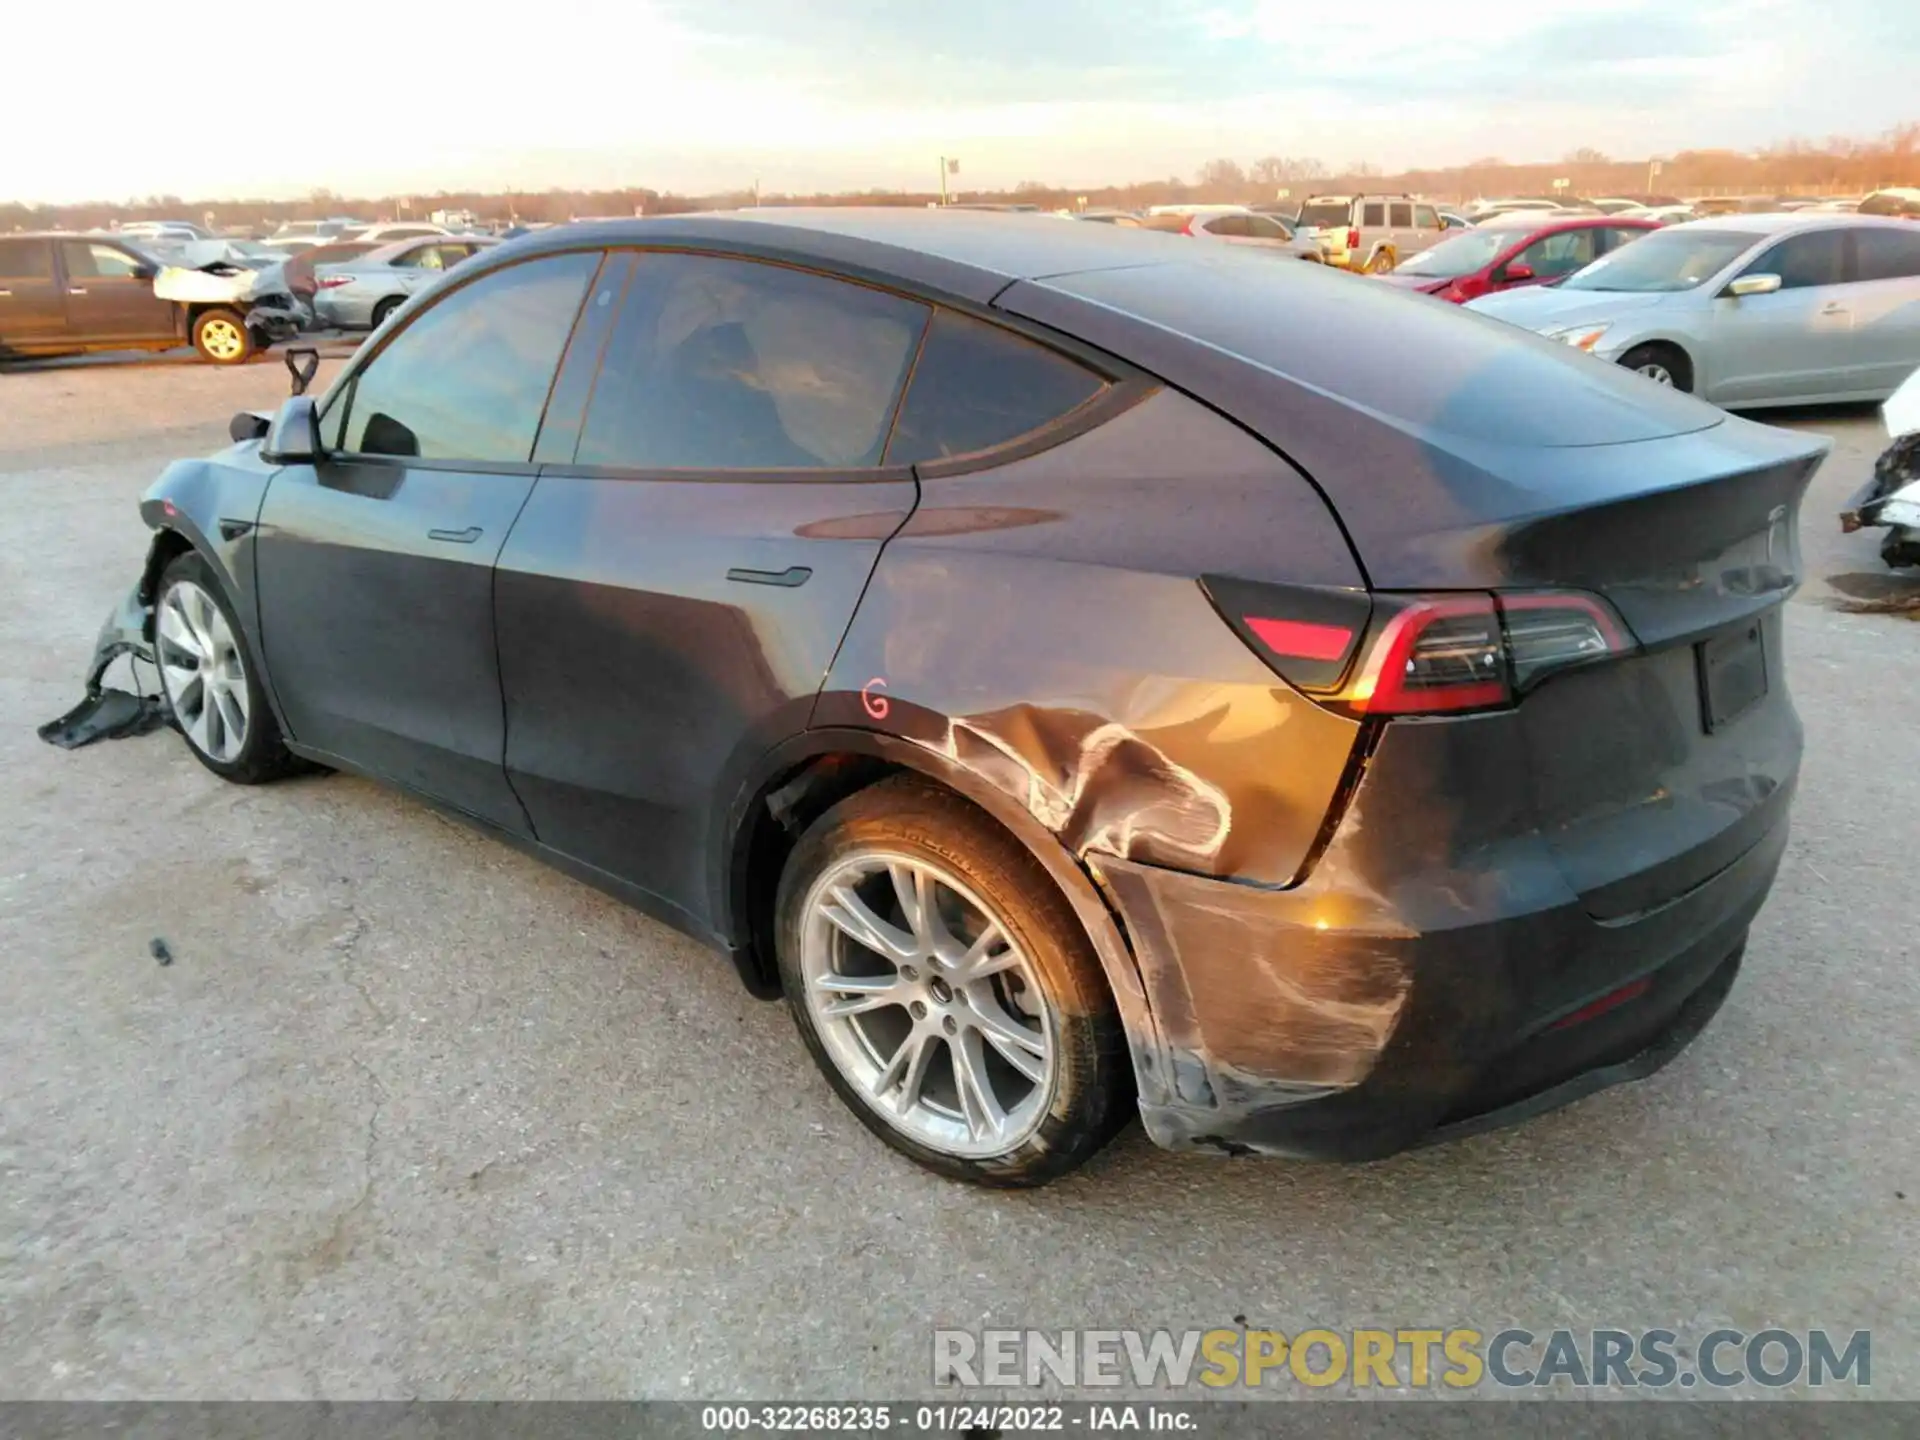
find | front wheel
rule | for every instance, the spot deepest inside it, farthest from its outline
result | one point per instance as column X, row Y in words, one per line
column 222, row 336
column 211, row 683
column 1661, row 364
column 946, row 989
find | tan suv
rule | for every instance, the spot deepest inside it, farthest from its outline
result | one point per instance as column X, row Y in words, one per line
column 1370, row 232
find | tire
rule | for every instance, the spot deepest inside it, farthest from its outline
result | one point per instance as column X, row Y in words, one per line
column 1662, row 364
column 1381, row 262
column 196, row 634
column 1051, row 992
column 221, row 336
column 385, row 308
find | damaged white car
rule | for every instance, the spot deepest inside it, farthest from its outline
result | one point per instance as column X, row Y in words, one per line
column 1891, row 499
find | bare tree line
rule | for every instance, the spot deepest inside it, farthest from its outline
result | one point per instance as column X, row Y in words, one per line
column 1838, row 165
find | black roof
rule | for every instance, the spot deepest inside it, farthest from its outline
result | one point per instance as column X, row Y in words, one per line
column 972, row 254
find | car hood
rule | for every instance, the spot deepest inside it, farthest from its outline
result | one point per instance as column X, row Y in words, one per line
column 1541, row 307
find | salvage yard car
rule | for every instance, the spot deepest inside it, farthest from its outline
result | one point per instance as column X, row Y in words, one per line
column 1076, row 696
column 360, row 292
column 1510, row 250
column 66, row 294
column 1810, row 308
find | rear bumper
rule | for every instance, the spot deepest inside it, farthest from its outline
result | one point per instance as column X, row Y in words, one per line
column 1326, row 1023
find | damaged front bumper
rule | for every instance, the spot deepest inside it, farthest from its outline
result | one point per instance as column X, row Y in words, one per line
column 128, row 631
column 105, row 712
column 1281, row 1033
column 1890, row 500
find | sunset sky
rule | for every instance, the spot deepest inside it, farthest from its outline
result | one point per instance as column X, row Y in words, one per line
column 702, row 95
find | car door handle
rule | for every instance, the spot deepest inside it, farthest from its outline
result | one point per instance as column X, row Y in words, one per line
column 456, row 537
column 790, row 577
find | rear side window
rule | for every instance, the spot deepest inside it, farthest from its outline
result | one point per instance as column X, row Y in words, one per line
column 1373, row 214
column 1803, row 261
column 87, row 261
column 1264, row 227
column 1886, row 254
column 1618, row 235
column 1425, row 217
column 720, row 364
column 1401, row 216
column 1325, row 214
column 468, row 378
column 26, row 259
column 1233, row 226
column 977, row 386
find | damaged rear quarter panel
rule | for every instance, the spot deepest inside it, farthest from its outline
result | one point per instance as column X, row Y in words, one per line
column 1041, row 624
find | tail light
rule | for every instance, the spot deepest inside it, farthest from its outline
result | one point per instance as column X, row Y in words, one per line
column 1353, row 239
column 328, row 282
column 1422, row 654
column 1188, row 228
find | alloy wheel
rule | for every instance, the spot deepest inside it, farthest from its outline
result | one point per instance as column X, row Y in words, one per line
column 222, row 339
column 201, row 668
column 1656, row 372
column 929, row 1009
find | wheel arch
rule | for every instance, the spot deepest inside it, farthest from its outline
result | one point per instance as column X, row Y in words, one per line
column 809, row 773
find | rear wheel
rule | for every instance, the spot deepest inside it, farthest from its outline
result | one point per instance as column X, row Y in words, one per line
column 944, row 986
column 385, row 308
column 1662, row 364
column 211, row 683
column 1381, row 262
column 221, row 336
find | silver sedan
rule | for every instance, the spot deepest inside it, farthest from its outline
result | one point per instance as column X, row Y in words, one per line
column 1746, row 310
column 361, row 293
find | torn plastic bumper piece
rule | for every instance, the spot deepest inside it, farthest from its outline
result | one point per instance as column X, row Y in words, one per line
column 1280, row 1034
column 107, row 713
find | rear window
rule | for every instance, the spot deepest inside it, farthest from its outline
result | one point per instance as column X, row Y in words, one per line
column 26, row 259
column 977, row 386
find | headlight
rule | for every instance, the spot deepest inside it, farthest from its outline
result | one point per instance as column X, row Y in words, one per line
column 1581, row 337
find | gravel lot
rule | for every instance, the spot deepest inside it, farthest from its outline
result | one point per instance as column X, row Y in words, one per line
column 411, row 1115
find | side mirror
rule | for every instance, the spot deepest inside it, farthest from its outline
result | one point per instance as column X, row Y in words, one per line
column 1516, row 273
column 294, row 436
column 1754, row 285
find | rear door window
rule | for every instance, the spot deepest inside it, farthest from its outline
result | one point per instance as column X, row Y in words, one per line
column 1373, row 214
column 977, row 386
column 1886, row 254
column 1233, row 227
column 722, row 364
column 1560, row 254
column 26, row 259
column 88, row 261
column 1400, row 217
column 1618, row 235
column 467, row 379
column 1265, row 227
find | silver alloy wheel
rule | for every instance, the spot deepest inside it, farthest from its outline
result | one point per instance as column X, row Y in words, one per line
column 927, row 1007
column 201, row 668
column 222, row 339
column 1655, row 372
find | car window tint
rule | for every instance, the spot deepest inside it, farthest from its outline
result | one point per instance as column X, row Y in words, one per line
column 976, row 386
column 1886, row 254
column 719, row 364
column 1560, row 254
column 467, row 379
column 86, row 261
column 1426, row 218
column 1374, row 215
column 1803, row 261
column 26, row 259
column 1618, row 235
column 1265, row 227
column 1400, row 216
column 1232, row 226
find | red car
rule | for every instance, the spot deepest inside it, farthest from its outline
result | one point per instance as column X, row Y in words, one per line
column 1520, row 248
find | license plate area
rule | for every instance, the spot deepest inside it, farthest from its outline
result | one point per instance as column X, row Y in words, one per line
column 1733, row 674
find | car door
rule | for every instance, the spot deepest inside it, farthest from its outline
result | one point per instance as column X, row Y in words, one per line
column 1792, row 344
column 109, row 294
column 1884, row 301
column 376, row 564
column 1406, row 239
column 672, row 596
column 32, row 312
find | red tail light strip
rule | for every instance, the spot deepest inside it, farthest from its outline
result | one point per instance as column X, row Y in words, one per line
column 1301, row 639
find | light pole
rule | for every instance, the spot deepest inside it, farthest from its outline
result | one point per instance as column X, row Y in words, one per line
column 947, row 167
column 1653, row 170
